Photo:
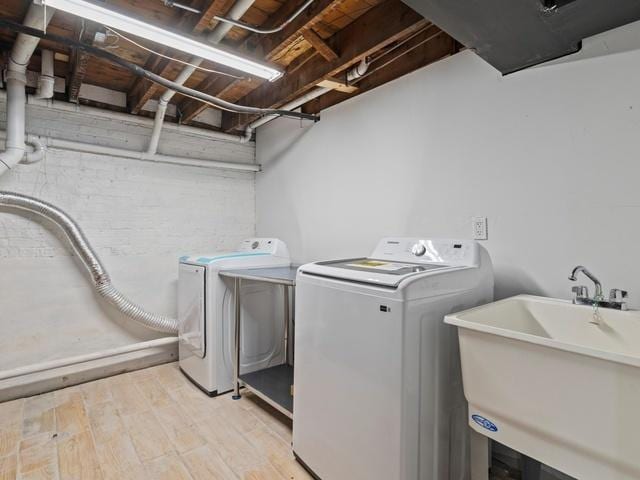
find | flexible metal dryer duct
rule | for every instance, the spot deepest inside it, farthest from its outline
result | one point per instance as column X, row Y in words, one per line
column 99, row 275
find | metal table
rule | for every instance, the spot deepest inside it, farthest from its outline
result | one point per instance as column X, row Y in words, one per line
column 272, row 384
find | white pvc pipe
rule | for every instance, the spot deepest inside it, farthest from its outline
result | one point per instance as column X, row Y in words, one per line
column 126, row 117
column 123, row 153
column 44, row 366
column 37, row 17
column 16, row 110
column 38, row 150
column 24, row 46
column 73, row 146
column 217, row 34
column 46, row 80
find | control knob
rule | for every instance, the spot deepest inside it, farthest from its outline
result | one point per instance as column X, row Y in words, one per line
column 418, row 249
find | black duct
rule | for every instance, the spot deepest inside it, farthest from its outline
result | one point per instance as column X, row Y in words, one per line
column 515, row 34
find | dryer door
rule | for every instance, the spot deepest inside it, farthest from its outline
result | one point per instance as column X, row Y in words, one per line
column 191, row 308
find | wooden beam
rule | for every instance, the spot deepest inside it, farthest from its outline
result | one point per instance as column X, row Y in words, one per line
column 270, row 47
column 85, row 32
column 339, row 85
column 377, row 28
column 143, row 90
column 415, row 55
column 320, row 45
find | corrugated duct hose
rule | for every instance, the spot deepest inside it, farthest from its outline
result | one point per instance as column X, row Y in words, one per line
column 82, row 248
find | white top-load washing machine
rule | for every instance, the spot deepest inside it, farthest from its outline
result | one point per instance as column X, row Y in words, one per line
column 206, row 314
column 377, row 382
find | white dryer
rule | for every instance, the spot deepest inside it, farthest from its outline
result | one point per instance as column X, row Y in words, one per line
column 206, row 314
column 377, row 382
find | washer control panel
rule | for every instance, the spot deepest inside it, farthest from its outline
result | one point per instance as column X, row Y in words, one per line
column 420, row 250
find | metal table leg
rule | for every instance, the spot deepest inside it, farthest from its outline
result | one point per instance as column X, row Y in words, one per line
column 293, row 324
column 286, row 324
column 236, row 351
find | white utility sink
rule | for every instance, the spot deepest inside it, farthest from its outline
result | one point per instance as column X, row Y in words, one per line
column 555, row 382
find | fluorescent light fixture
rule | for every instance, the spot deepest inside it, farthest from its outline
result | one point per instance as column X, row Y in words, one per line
column 116, row 20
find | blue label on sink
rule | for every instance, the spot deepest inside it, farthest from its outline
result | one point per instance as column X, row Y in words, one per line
column 484, row 423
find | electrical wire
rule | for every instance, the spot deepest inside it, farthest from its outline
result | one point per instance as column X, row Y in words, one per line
column 153, row 77
column 400, row 43
column 150, row 50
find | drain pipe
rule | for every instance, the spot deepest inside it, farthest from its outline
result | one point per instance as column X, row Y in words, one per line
column 65, row 362
column 355, row 72
column 215, row 37
column 37, row 17
column 46, row 80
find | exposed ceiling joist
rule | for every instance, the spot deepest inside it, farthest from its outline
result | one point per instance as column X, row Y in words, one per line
column 379, row 27
column 425, row 49
column 268, row 47
column 85, row 32
column 320, row 45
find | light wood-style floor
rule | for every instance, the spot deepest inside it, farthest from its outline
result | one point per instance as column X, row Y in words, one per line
column 149, row 424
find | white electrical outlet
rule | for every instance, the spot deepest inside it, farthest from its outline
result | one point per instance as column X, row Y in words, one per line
column 479, row 228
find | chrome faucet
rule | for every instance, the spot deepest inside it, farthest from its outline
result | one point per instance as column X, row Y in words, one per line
column 581, row 293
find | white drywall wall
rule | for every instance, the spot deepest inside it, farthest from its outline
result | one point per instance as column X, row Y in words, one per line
column 139, row 216
column 549, row 155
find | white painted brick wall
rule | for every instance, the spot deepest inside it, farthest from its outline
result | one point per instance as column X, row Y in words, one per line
column 139, row 216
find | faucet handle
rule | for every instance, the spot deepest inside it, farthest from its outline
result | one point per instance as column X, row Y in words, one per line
column 617, row 295
column 580, row 291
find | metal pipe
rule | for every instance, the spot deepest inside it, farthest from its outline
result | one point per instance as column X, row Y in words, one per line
column 214, row 37
column 171, row 3
column 251, row 28
column 101, row 280
column 65, row 362
column 285, row 294
column 315, row 93
column 352, row 74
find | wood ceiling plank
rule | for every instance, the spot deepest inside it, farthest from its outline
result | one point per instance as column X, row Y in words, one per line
column 379, row 27
column 268, row 47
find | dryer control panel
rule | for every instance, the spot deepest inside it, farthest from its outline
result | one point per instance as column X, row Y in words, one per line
column 432, row 251
column 271, row 246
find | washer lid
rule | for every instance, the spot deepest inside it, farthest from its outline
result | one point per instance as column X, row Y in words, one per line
column 398, row 258
column 370, row 270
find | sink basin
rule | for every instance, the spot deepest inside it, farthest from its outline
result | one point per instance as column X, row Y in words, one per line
column 555, row 381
